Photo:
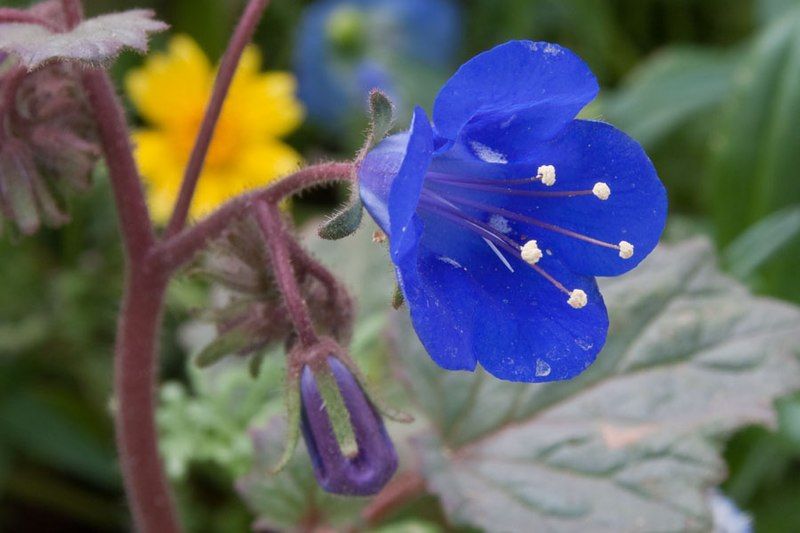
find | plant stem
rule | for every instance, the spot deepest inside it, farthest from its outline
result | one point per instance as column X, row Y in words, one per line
column 134, row 218
column 400, row 491
column 177, row 250
column 135, row 372
column 268, row 217
column 241, row 36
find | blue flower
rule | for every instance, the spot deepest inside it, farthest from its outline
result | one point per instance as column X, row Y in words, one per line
column 502, row 212
column 346, row 48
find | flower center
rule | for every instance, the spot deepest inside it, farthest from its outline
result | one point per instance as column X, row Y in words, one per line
column 495, row 234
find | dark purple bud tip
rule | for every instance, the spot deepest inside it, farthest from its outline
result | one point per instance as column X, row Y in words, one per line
column 364, row 473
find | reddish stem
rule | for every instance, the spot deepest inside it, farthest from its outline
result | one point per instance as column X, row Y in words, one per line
column 135, row 225
column 403, row 489
column 135, row 378
column 269, row 220
column 177, row 250
column 19, row 16
column 241, row 36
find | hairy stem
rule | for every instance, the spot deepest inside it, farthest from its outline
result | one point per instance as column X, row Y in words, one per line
column 134, row 218
column 241, row 36
column 135, row 371
column 269, row 220
column 177, row 250
column 18, row 16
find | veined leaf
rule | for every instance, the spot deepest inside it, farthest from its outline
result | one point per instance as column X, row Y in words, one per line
column 631, row 444
column 634, row 442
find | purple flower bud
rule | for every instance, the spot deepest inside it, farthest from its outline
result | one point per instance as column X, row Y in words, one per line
column 371, row 468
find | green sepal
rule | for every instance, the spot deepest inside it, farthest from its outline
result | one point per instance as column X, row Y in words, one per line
column 375, row 396
column 381, row 120
column 345, row 222
column 292, row 402
column 226, row 344
column 397, row 297
column 255, row 363
column 337, row 411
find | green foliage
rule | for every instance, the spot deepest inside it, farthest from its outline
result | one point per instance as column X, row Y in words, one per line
column 692, row 356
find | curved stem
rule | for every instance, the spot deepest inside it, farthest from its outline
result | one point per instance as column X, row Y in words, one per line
column 241, row 36
column 135, row 371
column 269, row 220
column 177, row 250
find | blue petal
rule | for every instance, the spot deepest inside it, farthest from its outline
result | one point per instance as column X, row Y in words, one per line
column 391, row 179
column 503, row 100
column 468, row 307
column 585, row 153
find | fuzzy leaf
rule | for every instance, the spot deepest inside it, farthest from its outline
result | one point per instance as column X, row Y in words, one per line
column 634, row 442
column 93, row 41
column 381, row 118
column 343, row 223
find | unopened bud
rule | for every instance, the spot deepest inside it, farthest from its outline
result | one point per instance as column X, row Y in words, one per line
column 366, row 469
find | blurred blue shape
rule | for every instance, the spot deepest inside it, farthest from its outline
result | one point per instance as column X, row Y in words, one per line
column 345, row 48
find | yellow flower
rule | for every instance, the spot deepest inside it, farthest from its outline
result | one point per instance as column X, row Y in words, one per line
column 171, row 91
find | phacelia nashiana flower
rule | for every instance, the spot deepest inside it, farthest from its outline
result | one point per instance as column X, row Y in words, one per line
column 501, row 214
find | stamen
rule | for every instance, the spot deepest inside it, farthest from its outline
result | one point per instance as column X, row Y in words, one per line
column 625, row 249
column 578, row 299
column 531, row 253
column 547, row 173
column 508, row 191
column 528, row 252
column 535, row 222
column 601, row 190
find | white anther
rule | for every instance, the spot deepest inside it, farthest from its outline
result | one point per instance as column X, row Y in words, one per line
column 625, row 249
column 601, row 190
column 547, row 173
column 531, row 253
column 578, row 299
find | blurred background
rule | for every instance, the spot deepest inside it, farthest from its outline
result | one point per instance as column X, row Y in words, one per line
column 711, row 88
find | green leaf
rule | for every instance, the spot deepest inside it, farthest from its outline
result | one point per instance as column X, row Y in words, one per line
column 224, row 345
column 771, row 10
column 93, row 41
column 345, row 222
column 755, row 150
column 672, row 88
column 761, row 242
column 633, row 443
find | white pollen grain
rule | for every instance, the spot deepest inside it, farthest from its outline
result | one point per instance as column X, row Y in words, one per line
column 531, row 253
column 578, row 299
column 601, row 190
column 625, row 249
column 547, row 173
